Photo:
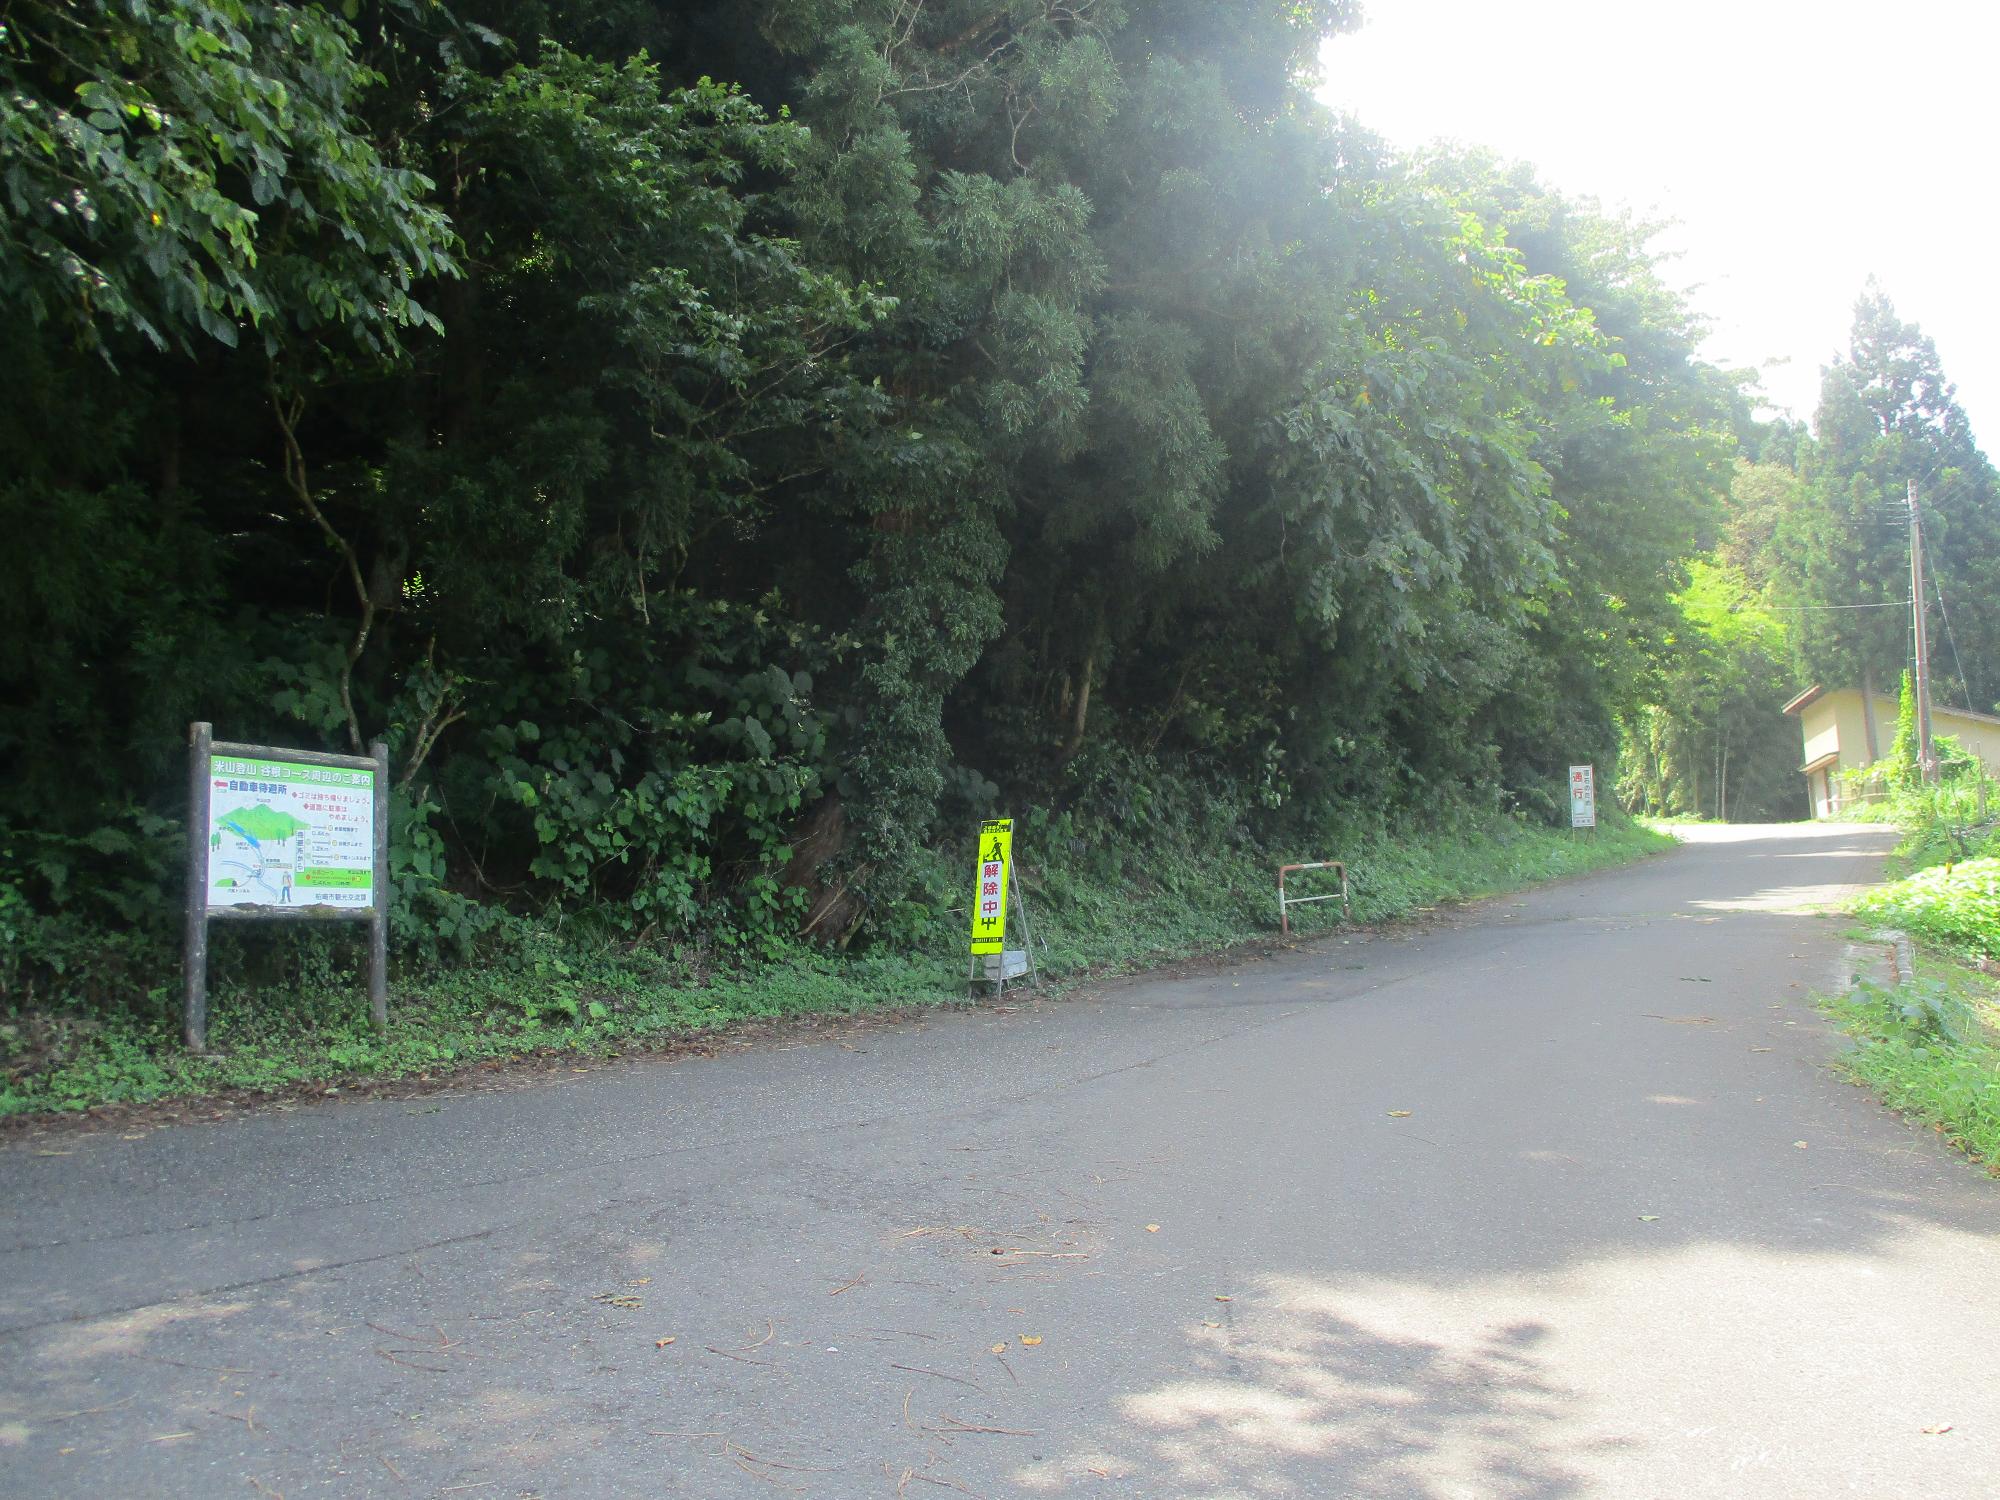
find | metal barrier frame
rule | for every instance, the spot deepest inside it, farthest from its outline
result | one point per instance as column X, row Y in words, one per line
column 1286, row 903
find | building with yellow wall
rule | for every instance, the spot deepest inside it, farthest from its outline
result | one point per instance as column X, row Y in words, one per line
column 1843, row 731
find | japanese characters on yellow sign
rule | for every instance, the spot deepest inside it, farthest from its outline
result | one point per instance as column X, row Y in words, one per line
column 989, row 891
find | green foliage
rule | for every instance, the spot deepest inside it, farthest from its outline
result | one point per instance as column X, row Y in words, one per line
column 1929, row 1052
column 1904, row 769
column 1888, row 420
column 1949, row 819
column 701, row 760
column 1716, row 743
column 1955, row 904
column 184, row 168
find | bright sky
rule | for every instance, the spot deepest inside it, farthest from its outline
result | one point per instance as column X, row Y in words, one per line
column 1801, row 145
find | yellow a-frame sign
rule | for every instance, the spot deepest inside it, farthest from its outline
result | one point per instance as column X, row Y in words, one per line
column 989, row 891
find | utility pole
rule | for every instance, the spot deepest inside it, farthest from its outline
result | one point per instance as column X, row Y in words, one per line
column 1926, row 761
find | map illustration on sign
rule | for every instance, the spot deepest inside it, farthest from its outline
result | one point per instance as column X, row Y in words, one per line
column 284, row 834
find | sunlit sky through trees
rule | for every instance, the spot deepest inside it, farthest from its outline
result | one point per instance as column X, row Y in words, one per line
column 1801, row 144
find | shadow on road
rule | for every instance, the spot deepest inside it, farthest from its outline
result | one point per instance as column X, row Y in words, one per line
column 1558, row 1198
column 1293, row 1393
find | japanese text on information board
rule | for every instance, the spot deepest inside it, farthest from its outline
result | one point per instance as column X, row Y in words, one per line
column 283, row 834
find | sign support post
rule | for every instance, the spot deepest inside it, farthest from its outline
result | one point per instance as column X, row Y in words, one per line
column 194, row 1004
column 378, row 921
column 301, row 836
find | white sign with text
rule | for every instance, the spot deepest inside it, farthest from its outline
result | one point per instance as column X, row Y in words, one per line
column 1583, row 796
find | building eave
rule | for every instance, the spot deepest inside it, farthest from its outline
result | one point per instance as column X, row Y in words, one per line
column 1962, row 713
column 1804, row 698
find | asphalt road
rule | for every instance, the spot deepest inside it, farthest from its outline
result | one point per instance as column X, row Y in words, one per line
column 1557, row 1197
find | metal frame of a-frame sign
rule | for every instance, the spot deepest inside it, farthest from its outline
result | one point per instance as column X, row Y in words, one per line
column 993, row 962
column 203, row 748
column 992, row 968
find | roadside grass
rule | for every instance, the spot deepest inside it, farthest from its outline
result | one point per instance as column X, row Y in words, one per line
column 1954, row 906
column 1929, row 1049
column 1930, row 1046
column 1097, row 909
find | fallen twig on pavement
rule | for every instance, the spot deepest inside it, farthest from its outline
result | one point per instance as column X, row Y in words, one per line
column 926, row 1370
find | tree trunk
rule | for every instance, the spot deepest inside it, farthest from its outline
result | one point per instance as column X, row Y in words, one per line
column 1081, row 720
column 835, row 908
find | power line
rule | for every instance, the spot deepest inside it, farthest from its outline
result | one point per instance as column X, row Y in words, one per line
column 1952, row 637
column 1894, row 510
column 1793, row 609
column 1955, row 488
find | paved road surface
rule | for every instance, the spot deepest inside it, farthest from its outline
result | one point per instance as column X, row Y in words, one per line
column 1632, row 1238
